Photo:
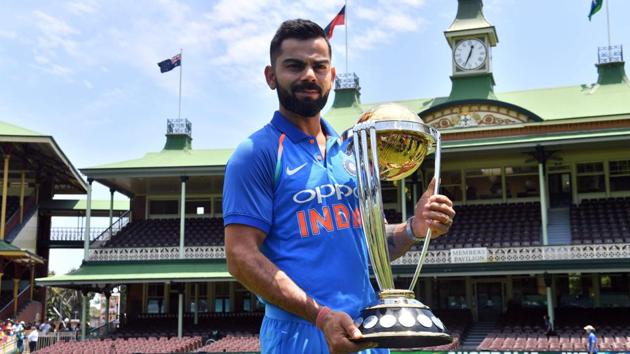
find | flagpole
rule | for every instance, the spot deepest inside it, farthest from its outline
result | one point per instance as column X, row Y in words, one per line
column 608, row 27
column 346, row 20
column 181, row 62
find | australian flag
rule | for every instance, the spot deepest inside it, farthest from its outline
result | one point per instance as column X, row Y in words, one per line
column 170, row 64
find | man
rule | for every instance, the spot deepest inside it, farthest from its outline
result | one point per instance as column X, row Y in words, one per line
column 591, row 342
column 32, row 337
column 292, row 224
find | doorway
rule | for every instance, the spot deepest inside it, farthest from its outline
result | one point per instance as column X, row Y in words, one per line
column 489, row 300
column 559, row 189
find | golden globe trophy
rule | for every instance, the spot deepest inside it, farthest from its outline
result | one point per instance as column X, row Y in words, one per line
column 390, row 142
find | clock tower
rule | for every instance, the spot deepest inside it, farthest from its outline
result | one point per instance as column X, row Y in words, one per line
column 471, row 38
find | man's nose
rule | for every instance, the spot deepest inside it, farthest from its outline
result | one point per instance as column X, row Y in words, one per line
column 308, row 74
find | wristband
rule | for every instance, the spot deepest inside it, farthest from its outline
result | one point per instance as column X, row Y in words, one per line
column 409, row 230
column 323, row 311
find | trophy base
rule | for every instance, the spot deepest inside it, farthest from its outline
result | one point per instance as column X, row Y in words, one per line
column 400, row 321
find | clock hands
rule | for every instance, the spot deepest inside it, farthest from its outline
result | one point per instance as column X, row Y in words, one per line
column 472, row 46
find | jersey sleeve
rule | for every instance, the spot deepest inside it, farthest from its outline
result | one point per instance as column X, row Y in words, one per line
column 248, row 186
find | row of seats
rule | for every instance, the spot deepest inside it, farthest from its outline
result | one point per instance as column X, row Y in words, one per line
column 488, row 225
column 126, row 346
column 601, row 221
column 523, row 329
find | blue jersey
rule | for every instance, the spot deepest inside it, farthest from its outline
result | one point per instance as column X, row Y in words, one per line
column 307, row 205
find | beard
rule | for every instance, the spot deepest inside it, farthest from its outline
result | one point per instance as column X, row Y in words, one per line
column 302, row 107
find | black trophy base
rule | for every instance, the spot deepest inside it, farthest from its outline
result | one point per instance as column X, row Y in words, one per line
column 401, row 323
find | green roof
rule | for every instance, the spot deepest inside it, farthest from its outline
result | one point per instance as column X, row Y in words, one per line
column 13, row 130
column 570, row 102
column 173, row 158
column 94, row 273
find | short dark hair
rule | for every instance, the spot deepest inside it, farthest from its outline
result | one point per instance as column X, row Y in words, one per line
column 296, row 29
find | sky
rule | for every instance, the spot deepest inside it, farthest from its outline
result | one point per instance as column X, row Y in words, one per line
column 86, row 72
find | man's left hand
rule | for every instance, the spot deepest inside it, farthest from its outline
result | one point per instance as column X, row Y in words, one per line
column 433, row 211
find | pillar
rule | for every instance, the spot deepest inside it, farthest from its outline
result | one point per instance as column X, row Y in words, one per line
column 107, row 294
column 211, row 293
column 428, row 292
column 88, row 214
column 166, row 300
column 111, row 210
column 196, row 314
column 597, row 299
column 5, row 190
column 509, row 291
column 469, row 292
column 543, row 202
column 180, row 314
column 182, row 217
column 550, row 295
column 22, row 187
column 232, row 295
column 16, row 286
column 32, row 282
column 83, row 314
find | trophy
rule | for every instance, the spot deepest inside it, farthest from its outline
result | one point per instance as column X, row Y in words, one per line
column 390, row 142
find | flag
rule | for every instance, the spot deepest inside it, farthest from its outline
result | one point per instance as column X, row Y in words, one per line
column 170, row 64
column 340, row 19
column 596, row 5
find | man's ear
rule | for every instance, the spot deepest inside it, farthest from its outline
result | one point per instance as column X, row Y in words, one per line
column 270, row 76
column 333, row 72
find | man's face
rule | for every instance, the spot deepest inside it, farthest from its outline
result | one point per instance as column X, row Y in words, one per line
column 302, row 75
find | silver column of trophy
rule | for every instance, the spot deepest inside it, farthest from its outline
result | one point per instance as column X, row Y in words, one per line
column 390, row 142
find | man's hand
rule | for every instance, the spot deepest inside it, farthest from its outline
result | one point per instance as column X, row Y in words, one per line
column 339, row 329
column 433, row 211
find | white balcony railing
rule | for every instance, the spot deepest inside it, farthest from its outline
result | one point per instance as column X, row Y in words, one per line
column 506, row 254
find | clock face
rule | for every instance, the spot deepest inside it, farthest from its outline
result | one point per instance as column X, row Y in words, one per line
column 470, row 54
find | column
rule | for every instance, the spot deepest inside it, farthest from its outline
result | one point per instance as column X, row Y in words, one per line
column 196, row 313
column 232, row 295
column 88, row 214
column 182, row 217
column 22, row 187
column 107, row 295
column 543, row 202
column 111, row 210
column 469, row 292
column 5, row 190
column 212, row 290
column 166, row 299
column 180, row 313
column 32, row 282
column 509, row 291
column 16, row 286
column 83, row 314
column 549, row 290
column 428, row 292
column 597, row 299
column 144, row 297
column 403, row 200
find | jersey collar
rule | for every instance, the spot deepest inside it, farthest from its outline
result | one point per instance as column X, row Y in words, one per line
column 281, row 123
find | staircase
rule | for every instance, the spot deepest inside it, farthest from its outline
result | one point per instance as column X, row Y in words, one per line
column 559, row 226
column 30, row 312
column 476, row 334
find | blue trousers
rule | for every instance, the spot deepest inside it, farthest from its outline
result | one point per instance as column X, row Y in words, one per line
column 283, row 333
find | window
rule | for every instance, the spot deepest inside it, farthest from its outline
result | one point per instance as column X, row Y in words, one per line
column 222, row 304
column 452, row 185
column 155, row 298
column 590, row 177
column 484, row 183
column 197, row 206
column 163, row 207
column 522, row 181
column 217, row 204
column 619, row 175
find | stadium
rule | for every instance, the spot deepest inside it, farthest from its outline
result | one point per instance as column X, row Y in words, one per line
column 541, row 184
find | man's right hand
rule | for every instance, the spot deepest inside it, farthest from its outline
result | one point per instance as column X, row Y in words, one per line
column 339, row 331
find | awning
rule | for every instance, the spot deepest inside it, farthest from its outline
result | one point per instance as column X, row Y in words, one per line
column 18, row 255
column 101, row 274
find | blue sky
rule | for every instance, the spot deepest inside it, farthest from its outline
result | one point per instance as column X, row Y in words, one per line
column 85, row 71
